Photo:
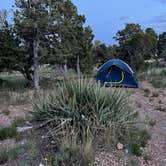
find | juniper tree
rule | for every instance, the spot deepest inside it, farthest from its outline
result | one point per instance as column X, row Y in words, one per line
column 51, row 31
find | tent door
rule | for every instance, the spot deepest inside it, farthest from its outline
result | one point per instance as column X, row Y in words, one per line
column 114, row 76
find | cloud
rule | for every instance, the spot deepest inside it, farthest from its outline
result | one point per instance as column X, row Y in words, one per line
column 162, row 1
column 123, row 18
column 159, row 19
column 159, row 23
column 117, row 20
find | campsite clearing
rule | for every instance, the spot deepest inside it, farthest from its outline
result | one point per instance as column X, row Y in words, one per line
column 152, row 108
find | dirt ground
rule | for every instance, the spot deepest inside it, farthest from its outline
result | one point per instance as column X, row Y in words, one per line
column 151, row 107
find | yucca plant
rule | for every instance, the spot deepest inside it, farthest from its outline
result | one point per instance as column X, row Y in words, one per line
column 84, row 107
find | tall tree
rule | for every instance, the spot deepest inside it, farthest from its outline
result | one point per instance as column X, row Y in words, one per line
column 151, row 39
column 100, row 53
column 85, row 51
column 135, row 45
column 128, row 32
column 31, row 24
column 3, row 17
column 75, row 43
column 9, row 44
column 162, row 45
column 129, row 42
column 52, row 31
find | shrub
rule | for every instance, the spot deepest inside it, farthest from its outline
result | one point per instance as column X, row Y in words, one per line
column 152, row 122
column 8, row 132
column 136, row 149
column 72, row 154
column 85, row 107
column 11, row 154
column 158, row 83
column 11, row 131
column 83, row 111
column 138, row 140
column 155, row 76
column 13, row 82
column 5, row 112
column 3, row 156
column 147, row 92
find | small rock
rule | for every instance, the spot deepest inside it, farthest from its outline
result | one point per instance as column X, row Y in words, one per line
column 22, row 129
column 119, row 146
column 23, row 142
column 43, row 136
column 41, row 164
column 126, row 151
column 28, row 123
column 52, row 142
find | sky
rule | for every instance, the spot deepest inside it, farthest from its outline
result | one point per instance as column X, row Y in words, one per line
column 106, row 17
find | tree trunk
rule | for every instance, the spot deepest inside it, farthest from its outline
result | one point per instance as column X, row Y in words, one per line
column 78, row 65
column 28, row 75
column 35, row 65
column 65, row 67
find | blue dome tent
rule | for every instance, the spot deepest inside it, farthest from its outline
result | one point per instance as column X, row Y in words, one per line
column 116, row 73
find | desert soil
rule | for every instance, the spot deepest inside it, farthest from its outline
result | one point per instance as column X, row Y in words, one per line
column 151, row 107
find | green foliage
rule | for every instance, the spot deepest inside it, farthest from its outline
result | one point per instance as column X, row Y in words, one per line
column 158, row 83
column 83, row 113
column 72, row 154
column 8, row 47
column 11, row 154
column 151, row 38
column 127, row 33
column 13, row 82
column 8, row 132
column 157, row 78
column 18, row 121
column 85, row 107
column 136, row 149
column 152, row 122
column 3, row 156
column 147, row 92
column 162, row 45
column 60, row 31
column 144, row 137
column 80, row 115
column 11, row 131
column 138, row 140
column 136, row 46
column 102, row 53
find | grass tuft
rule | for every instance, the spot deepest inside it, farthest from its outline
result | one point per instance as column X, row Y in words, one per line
column 11, row 154
column 8, row 132
column 136, row 149
column 3, row 156
column 146, row 92
column 11, row 131
column 138, row 140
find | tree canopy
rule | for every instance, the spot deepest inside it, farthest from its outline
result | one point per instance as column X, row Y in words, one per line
column 52, row 32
